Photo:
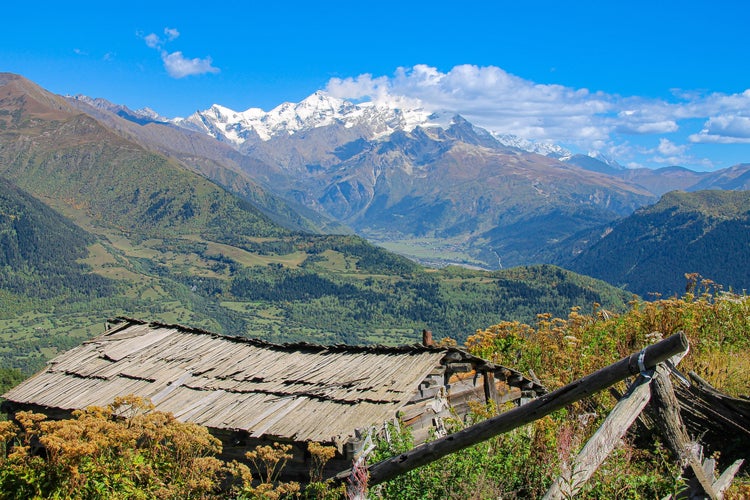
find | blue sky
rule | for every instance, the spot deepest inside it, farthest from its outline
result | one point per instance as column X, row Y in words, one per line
column 652, row 83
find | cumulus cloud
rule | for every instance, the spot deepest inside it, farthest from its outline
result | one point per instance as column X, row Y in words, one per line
column 644, row 117
column 668, row 148
column 491, row 98
column 505, row 103
column 171, row 33
column 176, row 64
column 179, row 66
column 669, row 153
column 725, row 129
column 153, row 40
column 360, row 87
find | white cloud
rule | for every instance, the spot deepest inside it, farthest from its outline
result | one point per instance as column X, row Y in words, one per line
column 644, row 117
column 668, row 148
column 725, row 129
column 176, row 64
column 153, row 40
column 357, row 88
column 179, row 66
column 660, row 127
column 669, row 153
column 587, row 120
column 491, row 98
column 171, row 33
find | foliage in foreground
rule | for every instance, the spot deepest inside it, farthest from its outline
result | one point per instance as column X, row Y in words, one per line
column 561, row 350
column 124, row 451
column 522, row 464
column 128, row 450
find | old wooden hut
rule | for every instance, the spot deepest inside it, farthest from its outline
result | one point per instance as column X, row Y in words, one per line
column 249, row 392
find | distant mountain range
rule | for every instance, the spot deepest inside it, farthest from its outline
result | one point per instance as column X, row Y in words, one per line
column 430, row 186
column 433, row 186
column 52, row 150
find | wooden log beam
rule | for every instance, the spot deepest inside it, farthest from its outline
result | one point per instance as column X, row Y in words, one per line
column 726, row 478
column 666, row 411
column 628, row 408
column 535, row 409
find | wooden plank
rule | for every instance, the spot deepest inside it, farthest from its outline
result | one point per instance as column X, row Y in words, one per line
column 124, row 348
column 272, row 407
column 490, row 388
column 725, row 480
column 281, row 413
column 123, row 333
column 666, row 406
column 704, row 487
column 187, row 412
column 602, row 442
column 666, row 415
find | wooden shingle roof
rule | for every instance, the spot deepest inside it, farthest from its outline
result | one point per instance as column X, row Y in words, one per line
column 294, row 391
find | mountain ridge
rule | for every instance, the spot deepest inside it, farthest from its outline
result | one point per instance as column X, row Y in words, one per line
column 197, row 152
column 51, row 149
column 181, row 249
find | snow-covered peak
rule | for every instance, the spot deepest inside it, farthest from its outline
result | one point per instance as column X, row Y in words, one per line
column 151, row 114
column 597, row 155
column 442, row 119
column 542, row 148
column 320, row 102
column 142, row 116
column 317, row 110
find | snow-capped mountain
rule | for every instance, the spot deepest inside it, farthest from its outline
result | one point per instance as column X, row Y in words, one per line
column 541, row 148
column 374, row 121
column 315, row 111
column 400, row 174
column 143, row 115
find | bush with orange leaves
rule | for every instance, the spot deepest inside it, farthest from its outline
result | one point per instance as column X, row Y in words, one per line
column 557, row 350
column 124, row 450
column 129, row 450
column 560, row 350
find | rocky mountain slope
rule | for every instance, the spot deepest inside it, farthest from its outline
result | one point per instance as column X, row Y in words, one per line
column 433, row 187
column 51, row 150
column 200, row 153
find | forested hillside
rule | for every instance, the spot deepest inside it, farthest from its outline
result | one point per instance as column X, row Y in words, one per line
column 40, row 251
column 705, row 232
